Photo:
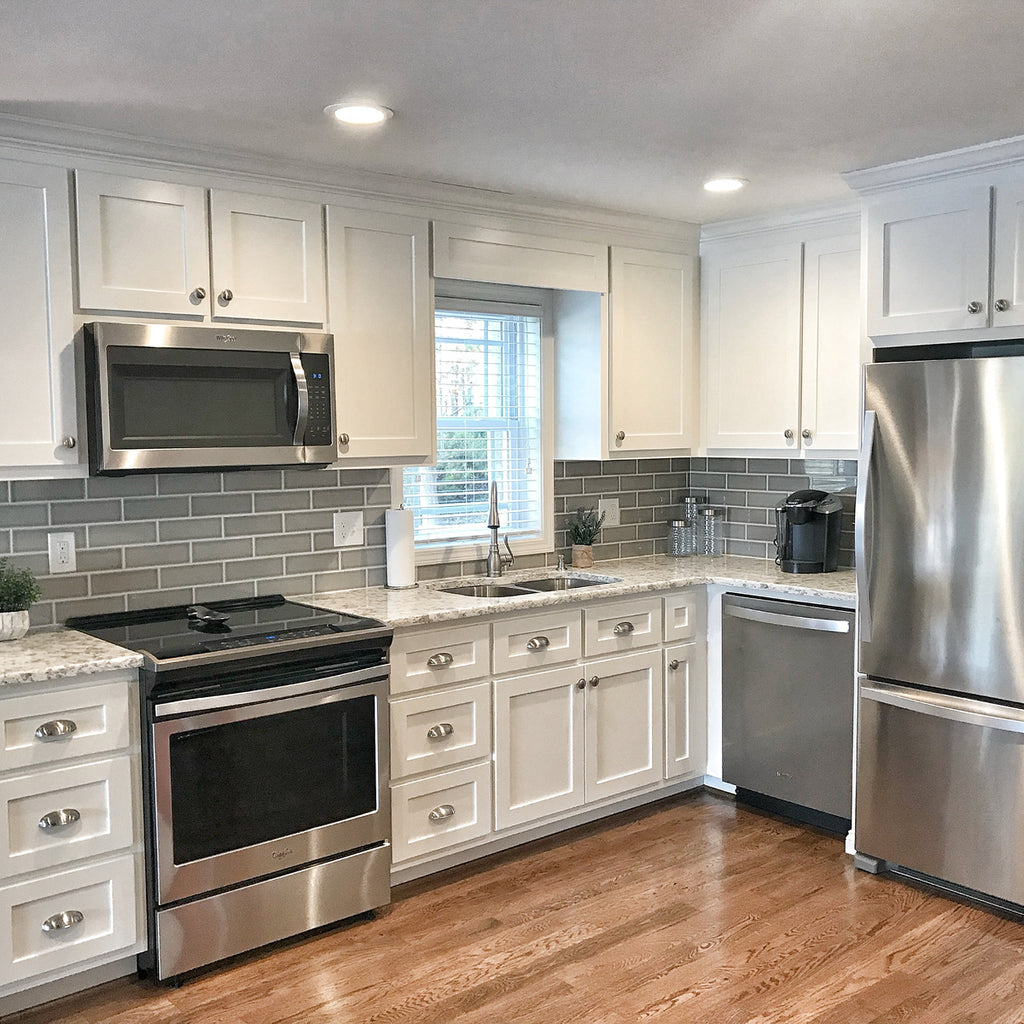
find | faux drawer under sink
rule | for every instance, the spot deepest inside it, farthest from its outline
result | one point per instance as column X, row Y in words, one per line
column 614, row 627
column 440, row 729
column 525, row 642
column 425, row 658
column 441, row 811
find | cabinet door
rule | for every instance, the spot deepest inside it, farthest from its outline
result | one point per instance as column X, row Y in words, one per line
column 624, row 739
column 652, row 373
column 37, row 390
column 927, row 261
column 267, row 257
column 686, row 733
column 830, row 399
column 381, row 315
column 1008, row 261
column 142, row 246
column 752, row 347
column 538, row 745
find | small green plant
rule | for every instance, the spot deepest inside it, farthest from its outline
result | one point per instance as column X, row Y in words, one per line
column 18, row 588
column 585, row 526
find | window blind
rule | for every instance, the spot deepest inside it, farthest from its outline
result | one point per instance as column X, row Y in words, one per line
column 488, row 383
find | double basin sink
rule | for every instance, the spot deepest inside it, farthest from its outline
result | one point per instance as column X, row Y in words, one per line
column 544, row 585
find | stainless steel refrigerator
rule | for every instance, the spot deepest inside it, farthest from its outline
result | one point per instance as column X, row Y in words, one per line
column 940, row 558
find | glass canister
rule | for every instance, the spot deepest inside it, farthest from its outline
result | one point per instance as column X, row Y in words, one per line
column 710, row 541
column 682, row 537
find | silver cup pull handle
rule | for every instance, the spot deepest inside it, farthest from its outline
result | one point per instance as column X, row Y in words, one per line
column 623, row 628
column 442, row 813
column 440, row 660
column 65, row 919
column 56, row 729
column 59, row 819
column 441, row 731
column 537, row 643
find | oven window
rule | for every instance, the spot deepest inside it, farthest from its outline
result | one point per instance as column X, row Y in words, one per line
column 248, row 782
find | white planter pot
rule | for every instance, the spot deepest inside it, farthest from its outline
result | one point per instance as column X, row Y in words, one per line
column 13, row 625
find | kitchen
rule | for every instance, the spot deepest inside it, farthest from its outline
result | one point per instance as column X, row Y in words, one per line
column 152, row 539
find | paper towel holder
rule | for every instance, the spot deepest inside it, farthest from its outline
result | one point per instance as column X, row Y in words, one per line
column 391, row 553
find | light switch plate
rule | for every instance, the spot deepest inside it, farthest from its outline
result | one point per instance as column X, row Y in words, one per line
column 611, row 507
column 61, row 547
column 348, row 529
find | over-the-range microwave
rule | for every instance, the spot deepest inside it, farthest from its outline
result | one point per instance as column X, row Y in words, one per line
column 167, row 398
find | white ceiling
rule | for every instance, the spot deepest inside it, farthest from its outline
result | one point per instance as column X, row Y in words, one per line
column 623, row 104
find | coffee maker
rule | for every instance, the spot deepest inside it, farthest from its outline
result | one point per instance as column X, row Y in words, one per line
column 807, row 527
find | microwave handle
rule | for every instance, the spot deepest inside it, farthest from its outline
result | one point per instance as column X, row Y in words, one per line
column 300, row 385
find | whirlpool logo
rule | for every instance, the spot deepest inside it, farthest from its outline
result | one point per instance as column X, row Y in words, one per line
column 281, row 854
column 227, row 338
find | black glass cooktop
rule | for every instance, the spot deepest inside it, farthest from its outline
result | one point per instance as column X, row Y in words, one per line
column 221, row 626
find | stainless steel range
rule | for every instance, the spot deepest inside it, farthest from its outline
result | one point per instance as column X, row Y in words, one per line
column 265, row 767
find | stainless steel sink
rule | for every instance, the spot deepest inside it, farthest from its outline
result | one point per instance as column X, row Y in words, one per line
column 521, row 587
column 564, row 583
column 486, row 590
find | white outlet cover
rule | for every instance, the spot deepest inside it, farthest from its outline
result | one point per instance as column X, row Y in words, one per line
column 348, row 529
column 611, row 507
column 61, row 547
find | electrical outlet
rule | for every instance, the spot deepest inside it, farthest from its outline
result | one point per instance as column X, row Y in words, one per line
column 610, row 506
column 61, row 547
column 348, row 529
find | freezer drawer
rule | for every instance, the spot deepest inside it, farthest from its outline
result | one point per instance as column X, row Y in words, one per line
column 787, row 702
column 940, row 787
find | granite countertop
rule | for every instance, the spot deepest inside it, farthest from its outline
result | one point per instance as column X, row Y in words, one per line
column 64, row 653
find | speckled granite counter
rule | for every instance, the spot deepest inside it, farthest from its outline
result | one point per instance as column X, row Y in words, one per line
column 60, row 654
column 428, row 604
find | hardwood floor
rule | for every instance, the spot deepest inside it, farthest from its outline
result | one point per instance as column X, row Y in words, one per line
column 693, row 910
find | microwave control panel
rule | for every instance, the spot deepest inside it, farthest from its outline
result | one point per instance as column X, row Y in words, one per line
column 319, row 430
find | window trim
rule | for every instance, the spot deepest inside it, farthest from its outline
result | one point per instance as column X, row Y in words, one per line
column 472, row 295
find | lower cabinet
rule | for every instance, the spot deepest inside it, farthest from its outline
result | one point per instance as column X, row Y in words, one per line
column 686, row 697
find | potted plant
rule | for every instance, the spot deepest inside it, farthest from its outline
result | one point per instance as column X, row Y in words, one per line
column 583, row 530
column 18, row 590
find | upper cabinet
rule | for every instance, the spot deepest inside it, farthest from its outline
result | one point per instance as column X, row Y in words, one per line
column 37, row 427
column 149, row 247
column 782, row 343
column 381, row 314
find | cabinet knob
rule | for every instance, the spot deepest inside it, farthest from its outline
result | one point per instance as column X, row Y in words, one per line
column 594, row 680
column 69, row 442
column 788, row 435
column 65, row 919
column 1002, row 305
column 442, row 813
column 975, row 307
column 198, row 294
column 674, row 664
column 620, row 436
column 623, row 628
column 440, row 731
column 59, row 819
column 537, row 643
column 226, row 296
column 56, row 729
column 343, row 439
column 581, row 684
column 805, row 434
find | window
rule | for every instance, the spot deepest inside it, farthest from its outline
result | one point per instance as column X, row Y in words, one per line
column 489, row 375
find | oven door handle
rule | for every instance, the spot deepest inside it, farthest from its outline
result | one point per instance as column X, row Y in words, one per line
column 302, row 417
column 191, row 705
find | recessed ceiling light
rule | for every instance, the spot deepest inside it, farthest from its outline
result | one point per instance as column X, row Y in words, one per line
column 359, row 113
column 724, row 184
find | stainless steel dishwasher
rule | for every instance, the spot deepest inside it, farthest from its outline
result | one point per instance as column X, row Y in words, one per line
column 787, row 707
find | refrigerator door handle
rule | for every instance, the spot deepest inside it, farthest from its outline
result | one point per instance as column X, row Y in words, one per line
column 860, row 526
column 939, row 705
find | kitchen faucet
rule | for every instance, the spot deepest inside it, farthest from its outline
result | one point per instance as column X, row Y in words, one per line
column 496, row 561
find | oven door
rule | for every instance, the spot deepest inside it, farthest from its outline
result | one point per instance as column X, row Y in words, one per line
column 280, row 778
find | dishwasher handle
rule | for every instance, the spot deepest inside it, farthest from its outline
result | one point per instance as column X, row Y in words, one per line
column 786, row 619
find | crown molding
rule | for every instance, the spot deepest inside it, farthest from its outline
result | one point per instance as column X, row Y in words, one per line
column 66, row 142
column 988, row 156
column 803, row 219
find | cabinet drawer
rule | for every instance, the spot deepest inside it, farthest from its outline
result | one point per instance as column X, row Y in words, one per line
column 622, row 626
column 100, row 716
column 439, row 657
column 97, row 796
column 434, row 814
column 684, row 616
column 438, row 730
column 101, row 895
column 536, row 641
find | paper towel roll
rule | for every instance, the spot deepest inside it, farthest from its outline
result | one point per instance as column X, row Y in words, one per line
column 398, row 528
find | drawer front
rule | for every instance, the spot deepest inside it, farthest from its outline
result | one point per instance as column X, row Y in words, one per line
column 439, row 657
column 536, row 641
column 100, row 716
column 684, row 614
column 434, row 814
column 622, row 626
column 439, row 730
column 98, row 799
column 99, row 904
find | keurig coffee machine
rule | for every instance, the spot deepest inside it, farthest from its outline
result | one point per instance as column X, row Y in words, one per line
column 807, row 527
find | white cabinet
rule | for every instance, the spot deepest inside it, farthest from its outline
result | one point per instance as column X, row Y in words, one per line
column 71, row 872
column 933, row 265
column 150, row 247
column 782, row 344
column 381, row 314
column 37, row 388
column 524, row 643
column 653, row 382
column 686, row 740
